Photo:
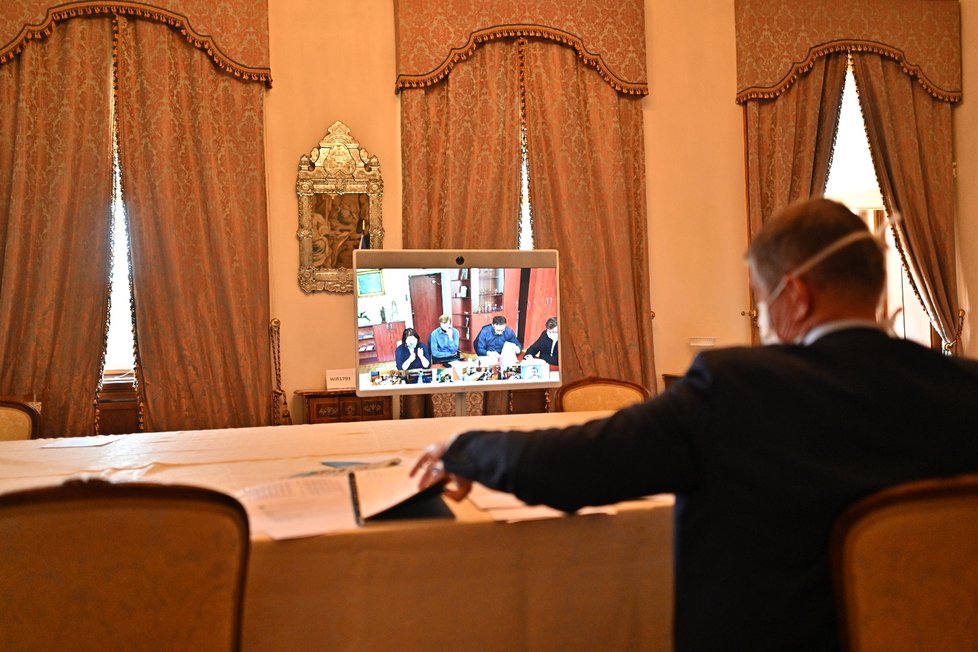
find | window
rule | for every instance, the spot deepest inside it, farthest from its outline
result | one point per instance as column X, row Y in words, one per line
column 526, row 222
column 119, row 348
column 852, row 181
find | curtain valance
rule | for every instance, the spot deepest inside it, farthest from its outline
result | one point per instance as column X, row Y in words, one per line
column 234, row 33
column 777, row 40
column 608, row 35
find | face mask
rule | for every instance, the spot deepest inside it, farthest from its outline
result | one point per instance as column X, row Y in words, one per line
column 446, row 327
column 768, row 334
column 411, row 342
column 552, row 335
column 498, row 330
column 765, row 330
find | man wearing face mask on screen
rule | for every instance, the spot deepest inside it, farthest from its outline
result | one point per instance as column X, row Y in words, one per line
column 764, row 446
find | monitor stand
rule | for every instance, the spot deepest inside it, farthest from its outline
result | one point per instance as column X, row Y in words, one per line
column 461, row 404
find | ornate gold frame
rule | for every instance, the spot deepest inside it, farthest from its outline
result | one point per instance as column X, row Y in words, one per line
column 340, row 199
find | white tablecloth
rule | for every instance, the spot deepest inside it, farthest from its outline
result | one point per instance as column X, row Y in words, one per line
column 469, row 583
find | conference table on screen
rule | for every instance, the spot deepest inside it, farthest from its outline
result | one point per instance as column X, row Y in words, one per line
column 469, row 581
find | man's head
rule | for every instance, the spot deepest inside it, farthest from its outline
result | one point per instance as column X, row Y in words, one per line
column 445, row 322
column 552, row 327
column 498, row 324
column 815, row 262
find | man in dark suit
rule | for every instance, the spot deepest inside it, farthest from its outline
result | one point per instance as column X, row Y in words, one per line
column 764, row 447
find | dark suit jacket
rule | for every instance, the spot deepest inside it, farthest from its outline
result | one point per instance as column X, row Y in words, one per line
column 764, row 448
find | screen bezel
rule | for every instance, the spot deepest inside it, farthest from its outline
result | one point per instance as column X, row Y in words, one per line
column 435, row 260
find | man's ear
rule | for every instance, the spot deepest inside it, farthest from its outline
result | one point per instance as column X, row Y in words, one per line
column 803, row 298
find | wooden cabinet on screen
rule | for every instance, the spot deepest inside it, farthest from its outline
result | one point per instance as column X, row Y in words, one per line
column 496, row 293
column 386, row 338
column 366, row 345
column 323, row 406
column 462, row 310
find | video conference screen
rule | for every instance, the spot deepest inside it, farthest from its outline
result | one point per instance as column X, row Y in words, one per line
column 456, row 321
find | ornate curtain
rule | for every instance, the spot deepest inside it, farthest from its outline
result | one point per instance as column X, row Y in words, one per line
column 461, row 156
column 912, row 141
column 191, row 148
column 907, row 55
column 55, row 196
column 587, row 188
column 233, row 33
column 601, row 51
column 56, row 179
column 790, row 138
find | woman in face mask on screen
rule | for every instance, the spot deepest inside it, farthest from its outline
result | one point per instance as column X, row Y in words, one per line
column 411, row 354
column 545, row 348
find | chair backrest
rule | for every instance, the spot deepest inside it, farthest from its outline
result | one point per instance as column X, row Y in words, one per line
column 593, row 393
column 99, row 566
column 905, row 567
column 18, row 420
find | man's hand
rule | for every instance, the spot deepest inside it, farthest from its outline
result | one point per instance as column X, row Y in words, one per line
column 434, row 472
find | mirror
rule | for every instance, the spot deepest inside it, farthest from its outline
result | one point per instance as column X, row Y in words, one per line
column 340, row 194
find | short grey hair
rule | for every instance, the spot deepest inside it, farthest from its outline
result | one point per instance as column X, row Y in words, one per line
column 801, row 230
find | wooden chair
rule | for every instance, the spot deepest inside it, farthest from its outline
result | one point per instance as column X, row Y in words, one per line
column 18, row 420
column 905, row 567
column 90, row 565
column 594, row 393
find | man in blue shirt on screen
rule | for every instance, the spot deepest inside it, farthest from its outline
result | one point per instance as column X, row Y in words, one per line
column 492, row 337
column 443, row 342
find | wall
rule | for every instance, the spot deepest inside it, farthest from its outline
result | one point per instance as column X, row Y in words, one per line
column 336, row 61
column 966, row 153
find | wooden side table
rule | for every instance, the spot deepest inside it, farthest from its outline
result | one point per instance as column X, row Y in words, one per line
column 323, row 406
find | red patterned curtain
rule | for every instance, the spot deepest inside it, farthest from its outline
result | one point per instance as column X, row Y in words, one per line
column 233, row 33
column 461, row 156
column 191, row 148
column 907, row 58
column 912, row 140
column 55, row 196
column 790, row 138
column 580, row 109
column 202, row 302
column 587, row 189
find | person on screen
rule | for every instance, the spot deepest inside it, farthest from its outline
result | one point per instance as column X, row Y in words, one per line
column 545, row 348
column 763, row 446
column 443, row 342
column 411, row 354
column 491, row 338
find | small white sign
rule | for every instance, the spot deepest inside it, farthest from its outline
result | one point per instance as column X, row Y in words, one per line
column 340, row 379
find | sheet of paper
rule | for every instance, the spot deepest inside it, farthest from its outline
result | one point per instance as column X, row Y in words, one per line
column 379, row 489
column 300, row 507
column 83, row 442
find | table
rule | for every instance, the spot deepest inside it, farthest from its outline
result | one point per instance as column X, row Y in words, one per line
column 591, row 582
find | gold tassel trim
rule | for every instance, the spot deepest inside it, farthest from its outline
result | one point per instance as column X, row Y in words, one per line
column 126, row 8
column 817, row 52
column 481, row 36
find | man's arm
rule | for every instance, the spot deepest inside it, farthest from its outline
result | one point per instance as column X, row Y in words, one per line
column 480, row 344
column 641, row 450
column 511, row 337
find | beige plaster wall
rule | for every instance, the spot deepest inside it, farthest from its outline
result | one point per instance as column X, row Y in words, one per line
column 966, row 154
column 336, row 61
column 330, row 61
column 695, row 179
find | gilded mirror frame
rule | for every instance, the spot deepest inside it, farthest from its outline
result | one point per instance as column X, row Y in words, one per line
column 340, row 193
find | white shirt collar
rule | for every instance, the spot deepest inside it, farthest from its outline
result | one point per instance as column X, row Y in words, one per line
column 822, row 330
